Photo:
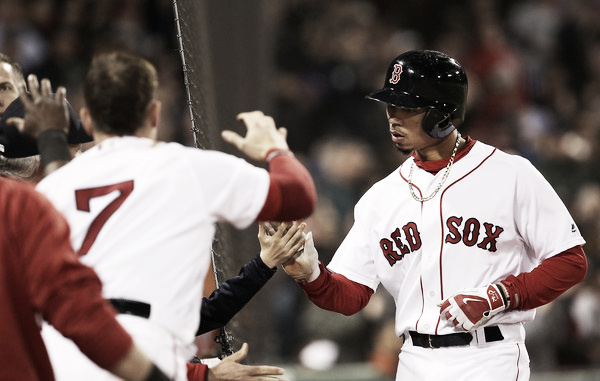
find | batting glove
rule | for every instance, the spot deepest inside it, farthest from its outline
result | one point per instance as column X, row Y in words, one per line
column 471, row 308
column 304, row 267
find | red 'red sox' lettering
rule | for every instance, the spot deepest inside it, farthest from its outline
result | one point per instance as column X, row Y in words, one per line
column 413, row 238
column 470, row 233
column 396, row 248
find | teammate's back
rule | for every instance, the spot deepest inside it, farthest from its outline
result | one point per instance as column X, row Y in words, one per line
column 142, row 215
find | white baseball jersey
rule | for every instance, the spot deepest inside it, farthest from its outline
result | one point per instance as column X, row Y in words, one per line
column 494, row 216
column 142, row 214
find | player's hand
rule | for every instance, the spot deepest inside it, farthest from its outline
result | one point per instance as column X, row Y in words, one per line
column 43, row 109
column 305, row 266
column 279, row 246
column 230, row 369
column 261, row 137
column 471, row 308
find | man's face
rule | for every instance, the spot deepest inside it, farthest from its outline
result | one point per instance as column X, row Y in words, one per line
column 8, row 86
column 405, row 128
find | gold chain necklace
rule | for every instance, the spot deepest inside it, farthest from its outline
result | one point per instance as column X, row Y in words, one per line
column 439, row 186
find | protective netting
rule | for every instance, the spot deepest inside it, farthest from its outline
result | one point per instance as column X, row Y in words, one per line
column 194, row 51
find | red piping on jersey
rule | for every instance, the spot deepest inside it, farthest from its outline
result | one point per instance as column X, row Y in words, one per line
column 518, row 359
column 434, row 167
column 421, row 277
column 422, row 304
column 443, row 231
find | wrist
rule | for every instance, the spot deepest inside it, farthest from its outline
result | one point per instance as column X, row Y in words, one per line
column 312, row 276
column 274, row 152
column 316, row 271
column 53, row 147
column 504, row 294
column 266, row 262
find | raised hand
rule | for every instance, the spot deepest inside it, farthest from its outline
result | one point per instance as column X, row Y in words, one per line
column 279, row 246
column 471, row 308
column 43, row 109
column 261, row 137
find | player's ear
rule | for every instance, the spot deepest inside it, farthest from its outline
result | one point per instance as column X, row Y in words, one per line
column 86, row 120
column 154, row 113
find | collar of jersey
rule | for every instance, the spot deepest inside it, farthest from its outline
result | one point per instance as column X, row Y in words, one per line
column 435, row 166
column 120, row 141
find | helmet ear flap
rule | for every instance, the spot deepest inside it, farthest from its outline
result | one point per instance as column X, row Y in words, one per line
column 437, row 124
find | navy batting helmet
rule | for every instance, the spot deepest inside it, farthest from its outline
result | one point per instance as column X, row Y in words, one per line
column 431, row 79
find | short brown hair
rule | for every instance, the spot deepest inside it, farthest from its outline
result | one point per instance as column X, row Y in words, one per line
column 118, row 89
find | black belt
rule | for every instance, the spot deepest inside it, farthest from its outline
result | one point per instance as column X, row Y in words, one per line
column 453, row 339
column 131, row 307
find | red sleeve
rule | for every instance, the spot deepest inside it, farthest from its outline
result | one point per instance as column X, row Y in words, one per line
column 292, row 193
column 197, row 371
column 64, row 290
column 546, row 282
column 335, row 292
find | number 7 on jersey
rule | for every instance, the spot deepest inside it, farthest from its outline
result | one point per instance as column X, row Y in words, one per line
column 82, row 199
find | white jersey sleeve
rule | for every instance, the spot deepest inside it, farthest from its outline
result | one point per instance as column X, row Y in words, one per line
column 357, row 263
column 233, row 187
column 542, row 219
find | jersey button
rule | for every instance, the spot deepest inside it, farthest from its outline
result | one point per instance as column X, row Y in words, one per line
column 431, row 293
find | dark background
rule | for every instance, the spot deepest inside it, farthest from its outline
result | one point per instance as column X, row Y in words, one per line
column 534, row 77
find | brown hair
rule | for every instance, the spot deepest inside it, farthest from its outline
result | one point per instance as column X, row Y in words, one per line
column 118, row 89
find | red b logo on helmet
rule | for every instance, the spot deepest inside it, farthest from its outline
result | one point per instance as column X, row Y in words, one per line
column 396, row 74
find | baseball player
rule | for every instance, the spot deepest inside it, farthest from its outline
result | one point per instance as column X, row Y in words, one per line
column 142, row 212
column 468, row 239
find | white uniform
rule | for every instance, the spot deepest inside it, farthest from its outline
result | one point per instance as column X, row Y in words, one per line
column 142, row 214
column 494, row 216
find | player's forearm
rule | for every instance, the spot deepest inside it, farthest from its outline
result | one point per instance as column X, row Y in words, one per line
column 334, row 292
column 135, row 366
column 232, row 295
column 546, row 282
column 292, row 193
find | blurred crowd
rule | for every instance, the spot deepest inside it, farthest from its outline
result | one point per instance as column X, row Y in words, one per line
column 534, row 89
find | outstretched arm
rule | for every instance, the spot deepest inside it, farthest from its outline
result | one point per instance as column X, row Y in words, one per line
column 230, row 369
column 330, row 291
column 292, row 193
column 335, row 292
column 233, row 294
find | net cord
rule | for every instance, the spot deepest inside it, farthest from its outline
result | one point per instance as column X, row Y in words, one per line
column 224, row 338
